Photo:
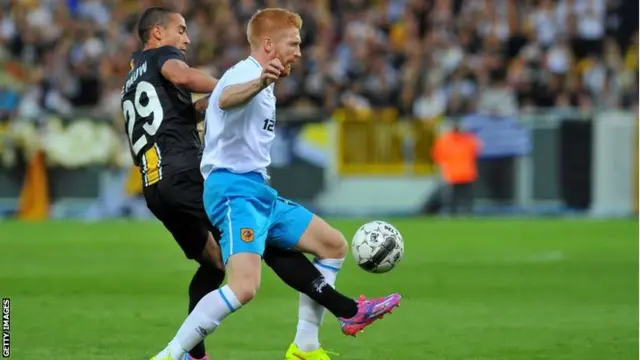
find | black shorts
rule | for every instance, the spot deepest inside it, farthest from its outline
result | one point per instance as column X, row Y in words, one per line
column 177, row 202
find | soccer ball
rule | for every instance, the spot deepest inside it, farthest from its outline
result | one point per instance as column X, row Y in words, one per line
column 377, row 247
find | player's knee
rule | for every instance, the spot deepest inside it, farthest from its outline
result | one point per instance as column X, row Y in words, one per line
column 245, row 291
column 335, row 245
column 323, row 241
column 244, row 276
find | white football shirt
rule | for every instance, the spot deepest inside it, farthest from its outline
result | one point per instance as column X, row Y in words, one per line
column 239, row 140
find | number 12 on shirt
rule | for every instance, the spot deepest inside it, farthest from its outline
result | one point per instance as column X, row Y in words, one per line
column 268, row 125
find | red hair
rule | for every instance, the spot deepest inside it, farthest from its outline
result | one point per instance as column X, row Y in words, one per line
column 267, row 21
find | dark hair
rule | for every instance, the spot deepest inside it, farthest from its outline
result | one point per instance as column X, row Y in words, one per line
column 150, row 17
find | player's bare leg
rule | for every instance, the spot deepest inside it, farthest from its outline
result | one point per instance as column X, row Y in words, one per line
column 212, row 253
column 330, row 248
column 243, row 271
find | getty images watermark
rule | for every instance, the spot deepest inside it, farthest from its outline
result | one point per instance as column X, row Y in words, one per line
column 6, row 328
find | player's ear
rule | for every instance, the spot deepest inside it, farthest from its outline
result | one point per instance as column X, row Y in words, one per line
column 157, row 31
column 268, row 44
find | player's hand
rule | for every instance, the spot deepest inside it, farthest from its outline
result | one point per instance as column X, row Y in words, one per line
column 271, row 72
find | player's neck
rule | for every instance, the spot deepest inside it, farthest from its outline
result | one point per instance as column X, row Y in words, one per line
column 260, row 57
column 150, row 46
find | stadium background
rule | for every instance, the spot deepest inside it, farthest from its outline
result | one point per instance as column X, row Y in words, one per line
column 378, row 82
column 551, row 88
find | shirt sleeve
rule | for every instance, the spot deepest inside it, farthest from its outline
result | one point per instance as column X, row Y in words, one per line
column 242, row 73
column 167, row 53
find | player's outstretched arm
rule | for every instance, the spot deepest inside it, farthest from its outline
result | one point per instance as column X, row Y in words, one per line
column 201, row 106
column 240, row 94
column 194, row 80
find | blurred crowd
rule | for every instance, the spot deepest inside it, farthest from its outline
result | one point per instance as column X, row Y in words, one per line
column 425, row 57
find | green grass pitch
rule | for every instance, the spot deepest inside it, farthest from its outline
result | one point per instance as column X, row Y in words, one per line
column 499, row 289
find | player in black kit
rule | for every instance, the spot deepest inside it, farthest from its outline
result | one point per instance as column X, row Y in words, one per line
column 161, row 123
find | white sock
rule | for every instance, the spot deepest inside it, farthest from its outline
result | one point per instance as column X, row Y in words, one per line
column 310, row 313
column 203, row 320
